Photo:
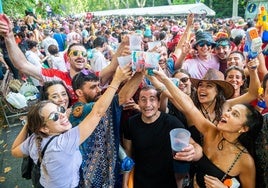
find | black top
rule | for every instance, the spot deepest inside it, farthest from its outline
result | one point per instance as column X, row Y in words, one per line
column 206, row 167
column 152, row 150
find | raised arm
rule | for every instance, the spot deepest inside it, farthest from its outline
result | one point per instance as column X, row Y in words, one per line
column 107, row 73
column 129, row 89
column 254, row 85
column 15, row 54
column 87, row 126
column 262, row 70
column 184, row 103
column 179, row 53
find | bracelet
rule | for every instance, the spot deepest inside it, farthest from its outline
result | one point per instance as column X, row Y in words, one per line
column 113, row 87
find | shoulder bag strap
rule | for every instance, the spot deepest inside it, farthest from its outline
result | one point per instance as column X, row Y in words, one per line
column 44, row 149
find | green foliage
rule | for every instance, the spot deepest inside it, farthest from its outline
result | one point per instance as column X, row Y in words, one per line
column 16, row 8
column 179, row 2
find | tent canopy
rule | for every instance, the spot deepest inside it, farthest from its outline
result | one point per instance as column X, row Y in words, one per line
column 170, row 10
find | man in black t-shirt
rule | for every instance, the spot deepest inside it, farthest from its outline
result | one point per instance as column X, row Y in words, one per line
column 147, row 140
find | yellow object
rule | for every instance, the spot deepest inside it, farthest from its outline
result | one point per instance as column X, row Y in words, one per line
column 262, row 18
column 260, row 91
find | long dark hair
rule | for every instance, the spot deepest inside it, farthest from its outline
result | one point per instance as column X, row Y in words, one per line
column 44, row 90
column 243, row 88
column 254, row 123
column 189, row 75
column 220, row 100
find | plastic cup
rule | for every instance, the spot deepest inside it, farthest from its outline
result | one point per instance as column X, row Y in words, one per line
column 179, row 138
column 135, row 42
column 153, row 44
column 124, row 60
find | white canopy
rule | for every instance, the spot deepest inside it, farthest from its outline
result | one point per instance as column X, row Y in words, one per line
column 170, row 10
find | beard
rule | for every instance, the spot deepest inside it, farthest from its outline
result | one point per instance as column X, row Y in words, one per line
column 92, row 99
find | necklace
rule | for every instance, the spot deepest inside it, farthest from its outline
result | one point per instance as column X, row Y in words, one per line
column 220, row 144
column 206, row 113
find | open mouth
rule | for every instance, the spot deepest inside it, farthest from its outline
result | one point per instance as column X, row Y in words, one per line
column 223, row 120
column 202, row 95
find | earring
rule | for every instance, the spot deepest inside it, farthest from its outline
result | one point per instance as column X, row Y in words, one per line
column 240, row 131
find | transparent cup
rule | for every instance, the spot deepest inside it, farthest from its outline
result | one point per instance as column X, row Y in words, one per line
column 153, row 44
column 179, row 139
column 124, row 60
column 135, row 42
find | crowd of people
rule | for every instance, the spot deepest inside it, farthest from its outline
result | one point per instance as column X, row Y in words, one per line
column 204, row 82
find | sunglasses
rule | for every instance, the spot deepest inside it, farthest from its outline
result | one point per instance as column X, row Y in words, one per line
column 54, row 116
column 184, row 79
column 202, row 44
column 78, row 53
column 223, row 43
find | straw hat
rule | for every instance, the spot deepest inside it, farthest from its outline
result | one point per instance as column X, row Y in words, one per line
column 216, row 77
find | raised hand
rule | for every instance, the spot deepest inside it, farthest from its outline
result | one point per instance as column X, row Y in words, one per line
column 190, row 19
column 5, row 25
column 123, row 73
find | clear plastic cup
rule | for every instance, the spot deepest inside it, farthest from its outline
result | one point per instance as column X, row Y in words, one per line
column 179, row 138
column 135, row 42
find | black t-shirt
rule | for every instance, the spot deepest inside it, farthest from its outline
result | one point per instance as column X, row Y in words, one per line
column 152, row 150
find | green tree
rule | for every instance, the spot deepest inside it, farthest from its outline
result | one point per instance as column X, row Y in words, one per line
column 17, row 8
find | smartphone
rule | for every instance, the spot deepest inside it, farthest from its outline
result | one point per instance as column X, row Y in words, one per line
column 3, row 18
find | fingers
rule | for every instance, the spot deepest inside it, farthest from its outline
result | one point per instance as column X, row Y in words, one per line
column 187, row 154
column 253, row 64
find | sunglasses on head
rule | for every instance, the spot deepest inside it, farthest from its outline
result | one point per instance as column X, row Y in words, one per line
column 203, row 43
column 78, row 53
column 54, row 116
column 222, row 43
column 184, row 79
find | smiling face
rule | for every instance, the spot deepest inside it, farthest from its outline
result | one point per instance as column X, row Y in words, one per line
column 223, row 51
column 206, row 92
column 234, row 119
column 90, row 91
column 204, row 49
column 77, row 57
column 58, row 94
column 235, row 59
column 235, row 77
column 149, row 104
column 185, row 82
column 54, row 125
column 162, row 50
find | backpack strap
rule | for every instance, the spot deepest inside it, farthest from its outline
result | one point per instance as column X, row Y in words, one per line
column 44, row 150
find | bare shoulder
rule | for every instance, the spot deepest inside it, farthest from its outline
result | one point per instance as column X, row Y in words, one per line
column 247, row 163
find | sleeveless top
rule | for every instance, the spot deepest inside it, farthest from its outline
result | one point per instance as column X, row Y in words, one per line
column 206, row 167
